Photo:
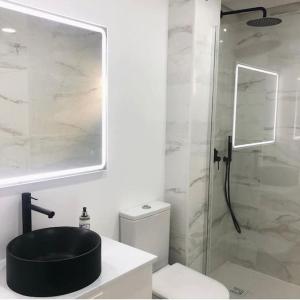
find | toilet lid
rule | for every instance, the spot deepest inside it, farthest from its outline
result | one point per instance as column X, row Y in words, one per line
column 180, row 282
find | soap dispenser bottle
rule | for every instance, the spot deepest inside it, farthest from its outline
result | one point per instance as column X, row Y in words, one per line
column 84, row 220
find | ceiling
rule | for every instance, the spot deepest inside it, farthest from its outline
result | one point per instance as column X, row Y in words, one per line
column 240, row 4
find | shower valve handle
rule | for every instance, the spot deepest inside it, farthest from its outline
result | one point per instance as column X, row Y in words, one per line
column 217, row 158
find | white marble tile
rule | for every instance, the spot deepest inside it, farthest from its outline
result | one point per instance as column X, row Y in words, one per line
column 190, row 69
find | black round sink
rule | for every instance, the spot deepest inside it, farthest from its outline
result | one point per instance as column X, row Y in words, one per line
column 53, row 261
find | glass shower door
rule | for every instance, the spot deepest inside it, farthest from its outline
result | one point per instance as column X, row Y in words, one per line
column 256, row 104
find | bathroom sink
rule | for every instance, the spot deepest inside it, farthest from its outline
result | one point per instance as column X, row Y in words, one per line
column 53, row 261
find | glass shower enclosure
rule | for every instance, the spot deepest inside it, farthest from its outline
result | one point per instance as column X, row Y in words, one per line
column 257, row 109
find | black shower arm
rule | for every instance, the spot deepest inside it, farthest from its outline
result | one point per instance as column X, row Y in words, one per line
column 240, row 11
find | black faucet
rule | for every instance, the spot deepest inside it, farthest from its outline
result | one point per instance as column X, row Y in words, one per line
column 27, row 207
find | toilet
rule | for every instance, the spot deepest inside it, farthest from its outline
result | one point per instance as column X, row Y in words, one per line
column 147, row 227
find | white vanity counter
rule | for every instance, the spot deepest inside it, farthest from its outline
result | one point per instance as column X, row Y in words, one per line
column 126, row 273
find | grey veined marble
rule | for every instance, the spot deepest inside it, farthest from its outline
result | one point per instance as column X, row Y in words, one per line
column 190, row 67
column 51, row 96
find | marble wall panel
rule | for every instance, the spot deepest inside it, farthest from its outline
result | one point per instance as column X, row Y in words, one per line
column 190, row 67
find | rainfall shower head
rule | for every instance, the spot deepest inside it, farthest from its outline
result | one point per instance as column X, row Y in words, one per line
column 264, row 22
column 261, row 22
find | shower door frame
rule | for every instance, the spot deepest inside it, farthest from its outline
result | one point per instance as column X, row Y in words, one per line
column 214, row 97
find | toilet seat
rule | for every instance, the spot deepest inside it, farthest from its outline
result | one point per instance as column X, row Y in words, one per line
column 180, row 282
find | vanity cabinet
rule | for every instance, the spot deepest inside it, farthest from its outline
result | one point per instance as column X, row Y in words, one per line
column 136, row 284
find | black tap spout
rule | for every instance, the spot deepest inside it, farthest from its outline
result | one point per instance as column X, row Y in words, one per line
column 43, row 211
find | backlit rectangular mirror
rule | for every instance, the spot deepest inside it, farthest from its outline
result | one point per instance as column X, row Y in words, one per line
column 52, row 96
column 255, row 107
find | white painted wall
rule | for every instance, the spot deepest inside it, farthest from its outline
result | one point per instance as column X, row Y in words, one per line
column 137, row 90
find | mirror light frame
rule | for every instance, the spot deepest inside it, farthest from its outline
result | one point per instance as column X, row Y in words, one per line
column 296, row 137
column 41, row 177
column 243, row 66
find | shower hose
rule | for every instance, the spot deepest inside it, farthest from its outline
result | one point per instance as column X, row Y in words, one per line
column 227, row 196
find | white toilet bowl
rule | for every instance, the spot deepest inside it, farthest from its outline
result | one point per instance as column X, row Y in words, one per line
column 180, row 282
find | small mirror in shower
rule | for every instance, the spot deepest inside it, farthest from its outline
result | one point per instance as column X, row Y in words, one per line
column 255, row 107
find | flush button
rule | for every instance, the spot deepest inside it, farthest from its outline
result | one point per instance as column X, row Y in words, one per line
column 146, row 207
